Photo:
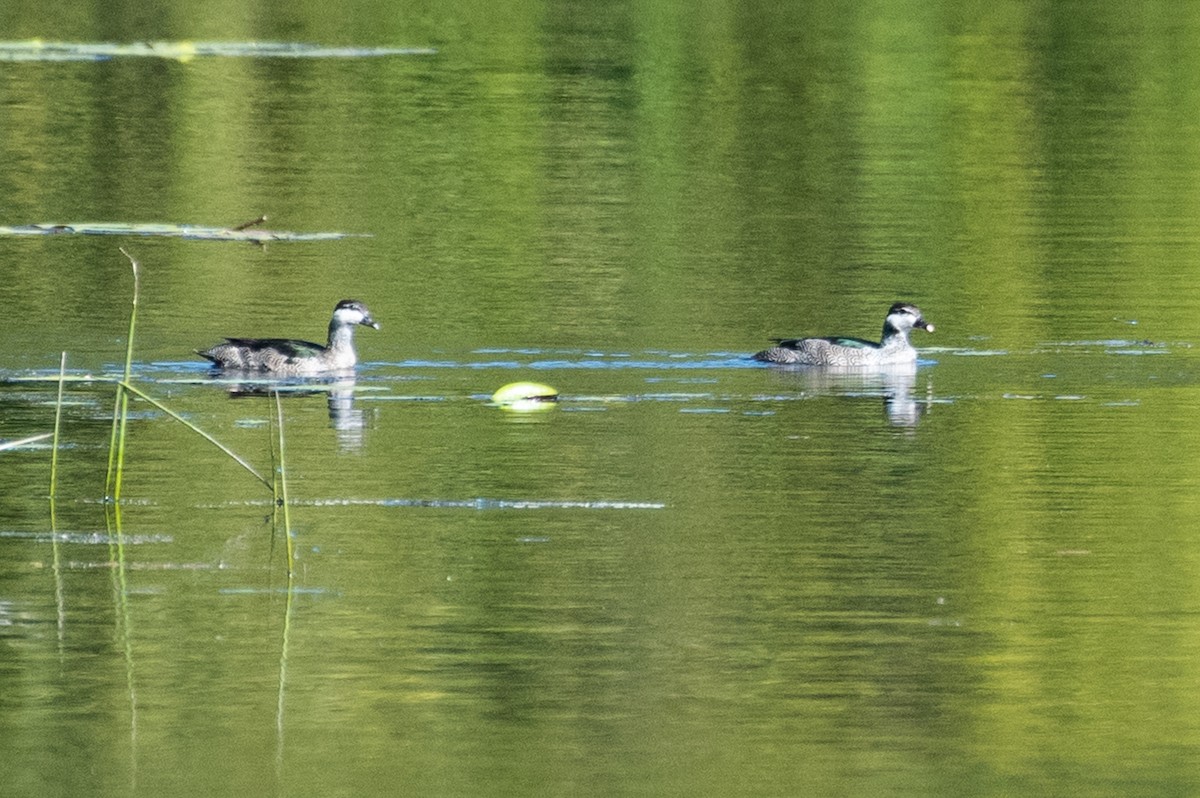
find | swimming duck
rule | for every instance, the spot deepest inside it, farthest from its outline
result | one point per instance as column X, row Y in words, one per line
column 893, row 349
column 292, row 357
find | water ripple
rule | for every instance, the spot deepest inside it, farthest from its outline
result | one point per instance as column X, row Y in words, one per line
column 478, row 503
column 86, row 538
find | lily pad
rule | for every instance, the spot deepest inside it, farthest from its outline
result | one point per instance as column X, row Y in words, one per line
column 38, row 50
column 189, row 231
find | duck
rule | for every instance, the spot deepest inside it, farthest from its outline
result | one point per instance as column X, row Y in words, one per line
column 291, row 357
column 893, row 348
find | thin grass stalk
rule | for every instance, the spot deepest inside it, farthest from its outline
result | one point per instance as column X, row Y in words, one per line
column 123, row 427
column 276, row 501
column 116, row 558
column 112, row 444
column 125, row 387
column 58, row 407
column 283, row 500
column 116, row 444
column 124, row 396
column 280, row 704
column 117, row 453
column 137, row 290
column 59, row 593
column 233, row 455
column 120, row 579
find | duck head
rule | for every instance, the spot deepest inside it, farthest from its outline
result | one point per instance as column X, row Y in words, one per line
column 903, row 317
column 350, row 312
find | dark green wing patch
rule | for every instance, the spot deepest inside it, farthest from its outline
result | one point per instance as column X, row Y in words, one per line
column 851, row 343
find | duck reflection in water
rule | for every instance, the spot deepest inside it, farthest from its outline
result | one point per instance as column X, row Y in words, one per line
column 348, row 420
column 894, row 384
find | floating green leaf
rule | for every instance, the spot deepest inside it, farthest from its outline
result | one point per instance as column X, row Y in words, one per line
column 38, row 50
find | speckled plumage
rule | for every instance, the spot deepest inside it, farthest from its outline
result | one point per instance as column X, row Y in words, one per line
column 286, row 356
column 893, row 349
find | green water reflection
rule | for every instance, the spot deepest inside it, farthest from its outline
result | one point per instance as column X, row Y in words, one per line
column 692, row 576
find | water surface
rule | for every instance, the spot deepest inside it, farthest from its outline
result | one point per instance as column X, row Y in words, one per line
column 695, row 574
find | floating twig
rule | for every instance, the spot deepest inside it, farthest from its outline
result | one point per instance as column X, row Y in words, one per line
column 251, row 223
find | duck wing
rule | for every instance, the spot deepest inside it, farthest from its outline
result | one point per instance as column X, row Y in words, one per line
column 801, row 344
column 835, row 350
column 284, row 347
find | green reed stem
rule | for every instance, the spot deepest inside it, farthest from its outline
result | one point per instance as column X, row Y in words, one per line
column 121, row 426
column 280, row 703
column 112, row 445
column 123, row 403
column 233, row 455
column 116, row 444
column 59, row 597
column 123, row 399
column 120, row 586
column 137, row 290
column 282, row 496
column 58, row 406
column 112, row 490
column 282, row 502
